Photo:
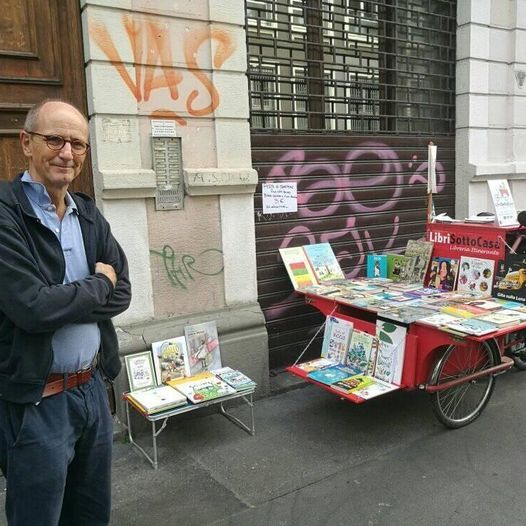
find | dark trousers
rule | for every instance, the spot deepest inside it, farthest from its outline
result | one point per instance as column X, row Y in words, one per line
column 56, row 457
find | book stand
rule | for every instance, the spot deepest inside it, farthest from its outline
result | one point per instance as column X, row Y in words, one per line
column 246, row 396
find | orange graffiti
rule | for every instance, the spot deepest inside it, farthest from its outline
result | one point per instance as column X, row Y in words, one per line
column 151, row 47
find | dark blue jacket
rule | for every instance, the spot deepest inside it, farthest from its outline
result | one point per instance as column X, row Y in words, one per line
column 33, row 301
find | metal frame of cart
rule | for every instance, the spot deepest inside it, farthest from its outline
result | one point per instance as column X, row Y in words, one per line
column 246, row 396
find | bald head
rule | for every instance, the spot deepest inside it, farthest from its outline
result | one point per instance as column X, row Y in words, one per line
column 32, row 118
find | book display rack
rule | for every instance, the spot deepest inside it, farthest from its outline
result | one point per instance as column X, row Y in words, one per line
column 447, row 340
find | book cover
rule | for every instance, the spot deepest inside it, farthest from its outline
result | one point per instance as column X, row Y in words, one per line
column 420, row 253
column 236, row 379
column 350, row 384
column 157, row 399
column 396, row 264
column 439, row 320
column 488, row 305
column 314, row 365
column 472, row 326
column 202, row 387
column 443, row 273
column 297, row 266
column 476, row 274
column 332, row 374
column 360, row 350
column 376, row 265
column 323, row 262
column 203, row 347
column 504, row 318
column 376, row 388
column 391, row 350
column 336, row 339
column 463, row 310
column 170, row 358
column 510, row 278
column 502, row 197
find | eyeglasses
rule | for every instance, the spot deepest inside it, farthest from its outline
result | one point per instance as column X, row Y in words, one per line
column 57, row 142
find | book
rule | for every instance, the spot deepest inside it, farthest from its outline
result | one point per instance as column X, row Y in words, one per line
column 202, row 387
column 170, row 358
column 235, row 378
column 391, row 350
column 336, row 339
column 463, row 310
column 350, row 384
column 439, row 320
column 323, row 262
column 332, row 374
column 443, row 273
column 476, row 274
column 156, row 399
column 488, row 305
column 510, row 278
column 480, row 219
column 298, row 267
column 420, row 253
column 203, row 347
column 376, row 266
column 314, row 365
column 504, row 318
column 472, row 326
column 396, row 264
column 360, row 350
column 502, row 197
column 405, row 313
column 375, row 388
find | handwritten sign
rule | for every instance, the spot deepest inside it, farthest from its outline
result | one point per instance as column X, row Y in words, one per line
column 280, row 197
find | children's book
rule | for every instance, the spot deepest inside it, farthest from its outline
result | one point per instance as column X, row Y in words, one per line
column 463, row 310
column 235, row 378
column 504, row 318
column 360, row 350
column 376, row 265
column 333, row 374
column 439, row 320
column 391, row 350
column 472, row 326
column 420, row 253
column 336, row 339
column 375, row 388
column 443, row 273
column 314, row 365
column 505, row 210
column 298, row 267
column 350, row 384
column 510, row 278
column 203, row 347
column 476, row 274
column 396, row 265
column 156, row 399
column 323, row 262
column 202, row 387
column 170, row 358
column 487, row 305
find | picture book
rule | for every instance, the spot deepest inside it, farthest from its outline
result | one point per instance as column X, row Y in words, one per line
column 360, row 350
column 439, row 320
column 350, row 384
column 510, row 278
column 504, row 318
column 156, row 399
column 332, row 374
column 472, row 326
column 396, row 264
column 314, row 365
column 476, row 274
column 203, row 347
column 323, row 262
column 405, row 314
column 376, row 265
column 443, row 273
column 170, row 358
column 376, row 388
column 336, row 339
column 235, row 378
column 488, row 305
column 502, row 197
column 463, row 310
column 420, row 253
column 391, row 350
column 297, row 266
column 202, row 387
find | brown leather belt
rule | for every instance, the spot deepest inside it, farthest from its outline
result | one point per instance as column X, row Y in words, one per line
column 58, row 382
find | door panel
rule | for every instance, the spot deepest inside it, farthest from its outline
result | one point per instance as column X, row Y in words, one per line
column 38, row 59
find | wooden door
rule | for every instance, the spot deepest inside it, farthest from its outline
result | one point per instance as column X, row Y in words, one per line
column 40, row 57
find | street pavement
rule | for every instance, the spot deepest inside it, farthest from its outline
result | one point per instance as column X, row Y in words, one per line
column 318, row 460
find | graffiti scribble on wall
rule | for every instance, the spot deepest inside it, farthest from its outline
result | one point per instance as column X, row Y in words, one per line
column 181, row 269
column 151, row 45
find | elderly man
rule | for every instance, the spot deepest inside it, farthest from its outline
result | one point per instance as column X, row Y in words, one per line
column 63, row 277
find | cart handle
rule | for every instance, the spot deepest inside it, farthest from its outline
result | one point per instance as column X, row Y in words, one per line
column 505, row 364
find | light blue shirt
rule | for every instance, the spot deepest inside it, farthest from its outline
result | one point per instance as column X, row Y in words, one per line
column 74, row 345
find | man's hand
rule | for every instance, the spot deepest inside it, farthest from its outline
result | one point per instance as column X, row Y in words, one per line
column 107, row 270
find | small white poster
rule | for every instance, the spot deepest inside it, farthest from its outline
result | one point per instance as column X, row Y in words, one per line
column 163, row 128
column 280, row 197
column 505, row 210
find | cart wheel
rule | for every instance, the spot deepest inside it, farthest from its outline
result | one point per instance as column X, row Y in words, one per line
column 518, row 351
column 460, row 405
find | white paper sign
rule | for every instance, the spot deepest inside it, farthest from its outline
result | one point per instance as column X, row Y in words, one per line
column 163, row 128
column 280, row 197
column 431, row 169
column 505, row 210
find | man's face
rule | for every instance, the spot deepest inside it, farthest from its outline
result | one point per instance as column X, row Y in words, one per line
column 55, row 169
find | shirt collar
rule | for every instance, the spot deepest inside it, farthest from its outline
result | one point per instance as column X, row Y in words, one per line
column 37, row 193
